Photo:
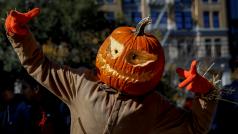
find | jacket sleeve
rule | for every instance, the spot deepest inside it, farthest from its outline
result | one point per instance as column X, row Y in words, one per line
column 172, row 119
column 60, row 80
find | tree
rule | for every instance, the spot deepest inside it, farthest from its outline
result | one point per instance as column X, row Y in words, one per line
column 76, row 23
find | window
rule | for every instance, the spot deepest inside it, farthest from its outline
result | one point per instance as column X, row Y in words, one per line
column 218, row 47
column 177, row 3
column 218, row 50
column 183, row 20
column 190, row 47
column 179, row 20
column 154, row 16
column 164, row 19
column 208, row 41
column 136, row 17
column 215, row 19
column 206, row 20
column 208, row 47
column 205, row 1
column 214, row 1
column 188, row 20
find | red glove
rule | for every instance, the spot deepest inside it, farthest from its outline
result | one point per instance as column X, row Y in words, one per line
column 16, row 21
column 193, row 81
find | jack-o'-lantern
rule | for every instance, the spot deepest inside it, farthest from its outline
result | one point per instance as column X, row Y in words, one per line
column 131, row 60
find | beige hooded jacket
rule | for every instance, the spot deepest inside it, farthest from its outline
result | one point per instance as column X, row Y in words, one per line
column 98, row 109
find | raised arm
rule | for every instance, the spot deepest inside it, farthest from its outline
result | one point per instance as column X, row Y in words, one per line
column 196, row 121
column 60, row 80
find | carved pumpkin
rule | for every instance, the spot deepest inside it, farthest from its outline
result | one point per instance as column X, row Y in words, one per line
column 130, row 60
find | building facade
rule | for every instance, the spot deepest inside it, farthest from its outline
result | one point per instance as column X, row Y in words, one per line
column 211, row 28
column 212, row 35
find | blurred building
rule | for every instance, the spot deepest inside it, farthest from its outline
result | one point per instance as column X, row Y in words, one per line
column 212, row 35
column 187, row 29
column 232, row 14
column 112, row 8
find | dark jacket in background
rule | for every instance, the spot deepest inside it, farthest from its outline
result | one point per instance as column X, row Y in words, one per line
column 225, row 121
column 15, row 117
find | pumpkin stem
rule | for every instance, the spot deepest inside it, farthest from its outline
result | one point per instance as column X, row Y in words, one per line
column 140, row 28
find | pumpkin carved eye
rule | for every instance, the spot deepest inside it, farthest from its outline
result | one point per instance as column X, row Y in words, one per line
column 133, row 56
column 115, row 48
column 140, row 58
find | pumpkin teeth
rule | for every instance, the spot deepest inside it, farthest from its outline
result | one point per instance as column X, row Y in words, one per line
column 134, row 78
column 122, row 77
column 114, row 73
column 127, row 78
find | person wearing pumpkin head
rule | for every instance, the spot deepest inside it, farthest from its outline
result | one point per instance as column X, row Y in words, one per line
column 123, row 99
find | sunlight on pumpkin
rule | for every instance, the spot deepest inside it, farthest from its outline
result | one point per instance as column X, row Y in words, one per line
column 140, row 58
column 115, row 48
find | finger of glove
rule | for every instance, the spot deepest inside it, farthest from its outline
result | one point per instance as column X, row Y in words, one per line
column 186, row 81
column 18, row 17
column 193, row 68
column 33, row 13
column 190, row 87
column 182, row 73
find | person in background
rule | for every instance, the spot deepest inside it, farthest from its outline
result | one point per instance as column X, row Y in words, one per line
column 225, row 120
column 65, row 114
column 46, row 117
column 14, row 112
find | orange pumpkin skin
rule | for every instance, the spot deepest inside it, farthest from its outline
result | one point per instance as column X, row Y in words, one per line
column 130, row 63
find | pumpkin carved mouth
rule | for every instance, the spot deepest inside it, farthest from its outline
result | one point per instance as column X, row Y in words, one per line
column 129, row 77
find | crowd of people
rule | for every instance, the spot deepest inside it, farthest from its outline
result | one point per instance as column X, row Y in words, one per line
column 27, row 108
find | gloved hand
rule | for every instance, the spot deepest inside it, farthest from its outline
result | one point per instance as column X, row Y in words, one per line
column 193, row 81
column 16, row 22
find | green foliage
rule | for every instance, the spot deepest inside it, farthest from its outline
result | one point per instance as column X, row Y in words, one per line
column 75, row 22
